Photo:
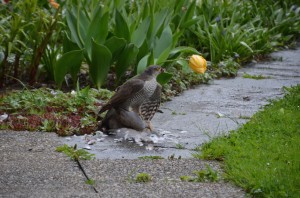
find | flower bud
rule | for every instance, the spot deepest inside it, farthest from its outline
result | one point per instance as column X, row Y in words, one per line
column 54, row 4
column 197, row 64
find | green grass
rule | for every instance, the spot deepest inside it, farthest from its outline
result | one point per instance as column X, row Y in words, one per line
column 255, row 77
column 263, row 156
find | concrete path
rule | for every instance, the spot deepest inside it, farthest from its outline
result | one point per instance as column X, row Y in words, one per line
column 30, row 167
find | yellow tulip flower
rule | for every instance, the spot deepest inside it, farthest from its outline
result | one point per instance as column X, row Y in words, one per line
column 197, row 64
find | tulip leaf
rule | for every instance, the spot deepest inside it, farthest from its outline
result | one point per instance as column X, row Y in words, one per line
column 143, row 50
column 72, row 24
column 68, row 62
column 98, row 28
column 159, row 19
column 121, row 29
column 163, row 56
column 143, row 63
column 81, row 23
column 190, row 12
column 69, row 45
column 139, row 35
column 127, row 56
column 100, row 63
column 115, row 45
column 184, row 49
column 164, row 42
column 164, row 78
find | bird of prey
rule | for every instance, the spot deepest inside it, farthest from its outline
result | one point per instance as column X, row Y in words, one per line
column 134, row 103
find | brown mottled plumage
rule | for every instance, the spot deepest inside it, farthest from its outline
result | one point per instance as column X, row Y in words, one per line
column 135, row 102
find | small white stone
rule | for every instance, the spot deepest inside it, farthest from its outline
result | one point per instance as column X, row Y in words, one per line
column 87, row 147
column 118, row 140
column 220, row 115
column 53, row 92
column 3, row 117
column 100, row 139
column 149, row 147
column 91, row 142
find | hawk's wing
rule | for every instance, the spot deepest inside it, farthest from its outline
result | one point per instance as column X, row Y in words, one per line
column 127, row 90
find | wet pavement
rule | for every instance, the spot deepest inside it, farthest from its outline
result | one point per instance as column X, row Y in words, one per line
column 203, row 112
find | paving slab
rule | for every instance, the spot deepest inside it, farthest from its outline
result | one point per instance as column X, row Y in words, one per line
column 30, row 167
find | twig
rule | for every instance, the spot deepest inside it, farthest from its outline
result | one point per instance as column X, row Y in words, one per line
column 84, row 173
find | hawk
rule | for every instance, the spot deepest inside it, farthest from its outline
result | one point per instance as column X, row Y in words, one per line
column 134, row 103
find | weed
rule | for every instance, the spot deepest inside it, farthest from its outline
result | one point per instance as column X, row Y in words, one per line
column 263, row 155
column 172, row 157
column 186, row 178
column 153, row 157
column 90, row 182
column 255, row 77
column 75, row 154
column 244, row 117
column 175, row 113
column 204, row 175
column 143, row 178
column 180, row 146
column 207, row 174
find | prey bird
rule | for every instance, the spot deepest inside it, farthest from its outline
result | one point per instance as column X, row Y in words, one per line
column 134, row 103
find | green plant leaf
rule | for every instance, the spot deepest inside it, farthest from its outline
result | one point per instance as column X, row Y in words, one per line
column 190, row 12
column 100, row 63
column 69, row 45
column 164, row 78
column 98, row 28
column 247, row 46
column 185, row 66
column 190, row 22
column 82, row 22
column 164, row 42
column 72, row 24
column 139, row 35
column 68, row 62
column 121, row 29
column 183, row 49
column 143, row 63
column 159, row 19
column 163, row 56
column 127, row 56
column 115, row 45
